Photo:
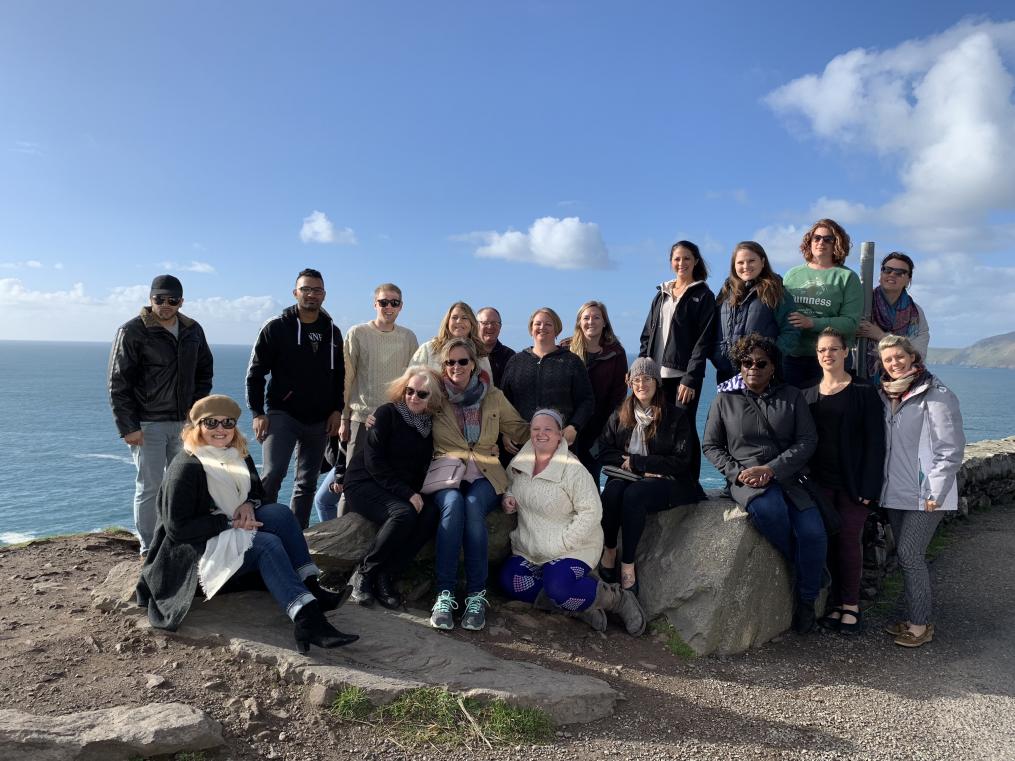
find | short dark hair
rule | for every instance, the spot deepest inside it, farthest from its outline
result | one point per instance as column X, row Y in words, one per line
column 700, row 271
column 744, row 346
column 309, row 272
column 901, row 257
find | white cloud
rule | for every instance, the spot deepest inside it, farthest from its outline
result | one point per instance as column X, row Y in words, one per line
column 203, row 268
column 27, row 147
column 317, row 228
column 563, row 244
column 942, row 108
column 30, row 264
column 782, row 244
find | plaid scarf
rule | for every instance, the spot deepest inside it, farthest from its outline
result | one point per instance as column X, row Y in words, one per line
column 467, row 403
column 900, row 319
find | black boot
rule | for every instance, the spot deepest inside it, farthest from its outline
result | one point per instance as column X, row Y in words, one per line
column 385, row 591
column 328, row 599
column 310, row 626
column 363, row 588
column 803, row 617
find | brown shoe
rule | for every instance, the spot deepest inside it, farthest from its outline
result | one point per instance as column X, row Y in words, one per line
column 897, row 629
column 908, row 639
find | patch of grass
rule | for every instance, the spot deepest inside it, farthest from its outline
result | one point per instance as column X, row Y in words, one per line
column 352, row 703
column 672, row 639
column 432, row 716
column 939, row 542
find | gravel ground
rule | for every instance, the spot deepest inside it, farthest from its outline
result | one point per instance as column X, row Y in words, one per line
column 819, row 696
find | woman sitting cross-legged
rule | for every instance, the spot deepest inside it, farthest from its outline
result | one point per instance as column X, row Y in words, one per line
column 648, row 437
column 212, row 526
column 472, row 416
column 383, row 482
column 559, row 535
column 761, row 437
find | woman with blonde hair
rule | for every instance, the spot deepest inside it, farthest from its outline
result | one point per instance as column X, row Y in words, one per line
column 752, row 300
column 595, row 344
column 827, row 294
column 384, row 479
column 458, row 322
column 212, row 526
column 546, row 375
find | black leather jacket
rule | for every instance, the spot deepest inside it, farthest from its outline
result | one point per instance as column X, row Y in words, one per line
column 154, row 376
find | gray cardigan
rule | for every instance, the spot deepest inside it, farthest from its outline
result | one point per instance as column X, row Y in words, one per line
column 736, row 438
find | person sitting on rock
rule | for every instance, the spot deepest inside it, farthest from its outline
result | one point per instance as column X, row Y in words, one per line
column 384, row 479
column 211, row 526
column 559, row 535
column 473, row 415
column 648, row 438
column 761, row 437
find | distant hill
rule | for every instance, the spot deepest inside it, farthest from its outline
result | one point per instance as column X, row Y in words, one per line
column 996, row 351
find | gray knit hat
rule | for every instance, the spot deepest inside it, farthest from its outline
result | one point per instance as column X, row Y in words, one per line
column 645, row 366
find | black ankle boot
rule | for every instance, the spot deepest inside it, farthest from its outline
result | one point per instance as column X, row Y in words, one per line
column 328, row 599
column 363, row 588
column 803, row 617
column 310, row 626
column 386, row 592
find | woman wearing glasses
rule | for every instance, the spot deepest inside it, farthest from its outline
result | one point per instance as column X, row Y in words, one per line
column 893, row 312
column 827, row 294
column 761, row 438
column 212, row 527
column 458, row 322
column 648, row 438
column 473, row 414
column 547, row 375
column 383, row 482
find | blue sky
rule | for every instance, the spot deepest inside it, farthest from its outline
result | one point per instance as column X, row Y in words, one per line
column 516, row 154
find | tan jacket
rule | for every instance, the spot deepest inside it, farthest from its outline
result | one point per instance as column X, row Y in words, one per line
column 498, row 417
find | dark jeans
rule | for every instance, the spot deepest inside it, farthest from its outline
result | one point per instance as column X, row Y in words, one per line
column 626, row 504
column 402, row 532
column 798, row 535
column 694, row 445
column 845, row 551
column 285, row 434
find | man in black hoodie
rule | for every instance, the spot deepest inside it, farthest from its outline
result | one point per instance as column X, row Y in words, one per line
column 302, row 351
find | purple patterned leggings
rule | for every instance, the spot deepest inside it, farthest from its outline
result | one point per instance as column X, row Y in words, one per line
column 567, row 581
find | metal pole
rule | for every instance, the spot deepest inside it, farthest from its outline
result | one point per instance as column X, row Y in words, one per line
column 867, row 283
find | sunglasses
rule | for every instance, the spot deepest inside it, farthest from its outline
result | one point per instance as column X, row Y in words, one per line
column 748, row 363
column 389, row 303
column 211, row 423
column 452, row 362
column 886, row 270
column 824, row 238
column 173, row 301
column 308, row 290
column 418, row 393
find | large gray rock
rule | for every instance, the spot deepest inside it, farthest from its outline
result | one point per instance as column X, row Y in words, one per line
column 396, row 652
column 717, row 580
column 339, row 544
column 108, row 735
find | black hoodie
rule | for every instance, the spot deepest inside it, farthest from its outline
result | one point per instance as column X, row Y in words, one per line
column 307, row 377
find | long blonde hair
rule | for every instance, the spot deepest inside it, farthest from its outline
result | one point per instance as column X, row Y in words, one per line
column 444, row 333
column 578, row 346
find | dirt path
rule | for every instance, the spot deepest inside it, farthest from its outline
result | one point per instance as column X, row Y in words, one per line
column 821, row 696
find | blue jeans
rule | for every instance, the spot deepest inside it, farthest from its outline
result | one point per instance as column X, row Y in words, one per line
column 798, row 535
column 325, row 500
column 463, row 514
column 281, row 556
column 161, row 444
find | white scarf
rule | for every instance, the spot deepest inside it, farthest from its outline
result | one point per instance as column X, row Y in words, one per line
column 643, row 419
column 228, row 485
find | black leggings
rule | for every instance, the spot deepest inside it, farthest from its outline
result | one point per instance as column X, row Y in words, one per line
column 626, row 504
column 402, row 531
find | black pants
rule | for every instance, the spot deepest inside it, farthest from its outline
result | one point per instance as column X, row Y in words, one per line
column 402, row 532
column 626, row 504
column 694, row 445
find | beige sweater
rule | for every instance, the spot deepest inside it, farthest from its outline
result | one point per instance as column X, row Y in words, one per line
column 559, row 510
column 373, row 359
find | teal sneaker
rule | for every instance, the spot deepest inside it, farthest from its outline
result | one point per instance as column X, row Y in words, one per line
column 474, row 617
column 440, row 616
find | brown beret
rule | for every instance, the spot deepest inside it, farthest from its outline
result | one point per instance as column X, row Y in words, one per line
column 216, row 405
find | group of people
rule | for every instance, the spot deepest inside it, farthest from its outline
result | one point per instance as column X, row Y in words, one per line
column 425, row 440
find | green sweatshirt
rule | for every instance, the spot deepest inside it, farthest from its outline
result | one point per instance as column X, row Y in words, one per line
column 832, row 298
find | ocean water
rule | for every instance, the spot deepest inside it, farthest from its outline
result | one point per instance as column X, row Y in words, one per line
column 64, row 469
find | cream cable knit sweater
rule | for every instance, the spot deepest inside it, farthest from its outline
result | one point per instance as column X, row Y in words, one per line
column 559, row 511
column 373, row 359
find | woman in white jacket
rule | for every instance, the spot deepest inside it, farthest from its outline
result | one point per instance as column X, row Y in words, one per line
column 925, row 443
column 559, row 537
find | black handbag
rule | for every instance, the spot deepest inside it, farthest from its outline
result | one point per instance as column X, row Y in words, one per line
column 829, row 515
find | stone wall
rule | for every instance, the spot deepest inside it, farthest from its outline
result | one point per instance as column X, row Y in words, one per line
column 987, row 476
